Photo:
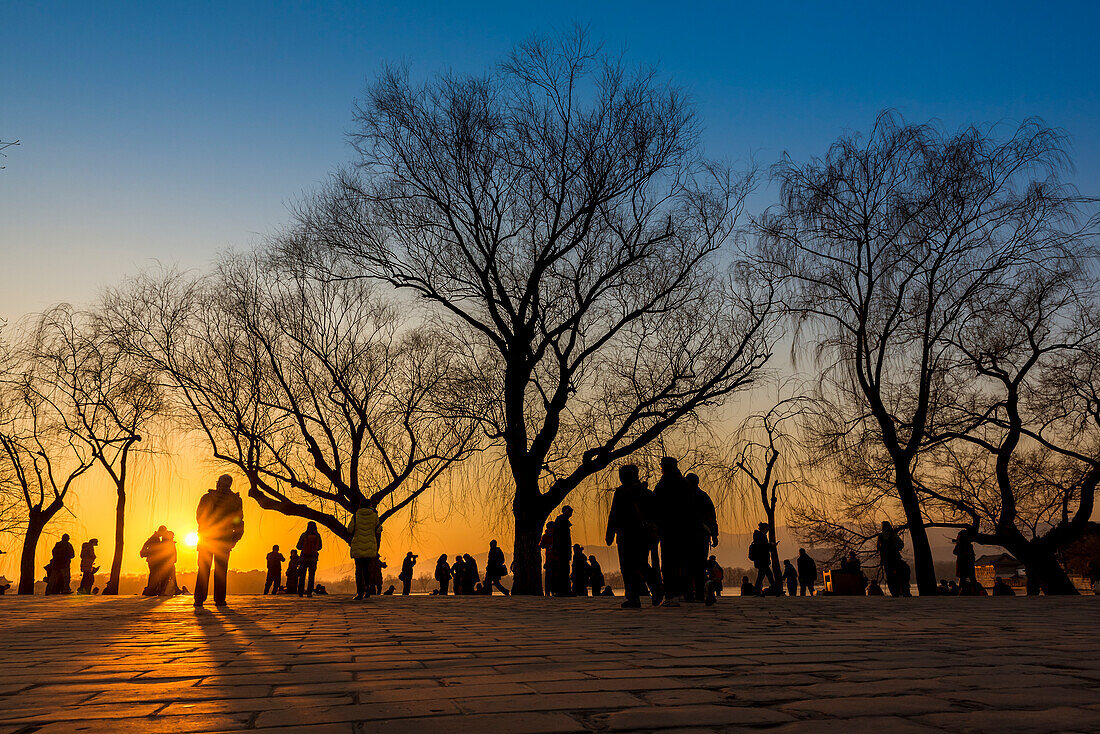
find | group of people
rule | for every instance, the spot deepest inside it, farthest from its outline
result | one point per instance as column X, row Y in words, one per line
column 159, row 551
column 463, row 573
column 59, row 569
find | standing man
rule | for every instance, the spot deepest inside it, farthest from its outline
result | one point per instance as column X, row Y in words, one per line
column 674, row 528
column 309, row 545
column 220, row 518
column 631, row 525
column 274, row 571
column 563, row 551
column 807, row 573
column 59, row 580
column 406, row 576
column 889, row 546
column 760, row 553
column 703, row 536
column 365, row 531
column 87, row 566
column 292, row 573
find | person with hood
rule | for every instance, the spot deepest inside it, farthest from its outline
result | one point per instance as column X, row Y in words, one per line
column 790, row 576
column 674, row 526
column 702, row 536
column 807, row 573
column 274, row 571
column 964, row 558
column 578, row 575
column 471, row 575
column 59, row 578
column 495, row 569
column 406, row 575
column 87, row 566
column 595, row 576
column 365, row 537
column 292, row 565
column 220, row 518
column 443, row 574
column 309, row 547
column 563, row 551
column 631, row 525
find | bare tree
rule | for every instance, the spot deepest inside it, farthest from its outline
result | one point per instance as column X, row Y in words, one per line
column 111, row 397
column 884, row 245
column 321, row 392
column 558, row 210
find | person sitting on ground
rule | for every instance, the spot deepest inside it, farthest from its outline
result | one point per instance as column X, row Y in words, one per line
column 292, row 566
column 790, row 575
column 365, row 532
column 1000, row 588
column 952, row 588
column 274, row 571
column 442, row 574
column 748, row 588
column 579, row 575
column 320, row 590
column 389, row 590
column 595, row 576
column 309, row 545
column 971, row 587
column 807, row 573
column 873, row 589
column 607, row 591
column 495, row 569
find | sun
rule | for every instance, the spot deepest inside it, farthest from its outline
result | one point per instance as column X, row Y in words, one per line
column 191, row 540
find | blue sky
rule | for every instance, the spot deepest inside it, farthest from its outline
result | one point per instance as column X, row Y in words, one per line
column 171, row 133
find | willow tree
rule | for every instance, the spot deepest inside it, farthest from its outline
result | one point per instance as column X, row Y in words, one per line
column 559, row 211
column 322, row 393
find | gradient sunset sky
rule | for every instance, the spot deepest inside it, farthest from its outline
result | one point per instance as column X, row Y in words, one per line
column 171, row 133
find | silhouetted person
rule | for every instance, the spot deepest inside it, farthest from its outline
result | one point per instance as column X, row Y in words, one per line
column 274, row 571
column 495, row 569
column 889, row 546
column 632, row 525
column 964, row 557
column 309, row 550
column 790, row 576
column 607, row 591
column 292, row 567
column 365, row 536
column 563, row 551
column 807, row 573
column 220, row 518
column 406, row 575
column 1000, row 588
column 471, row 577
column 873, row 589
column 443, row 574
column 715, row 576
column 87, row 566
column 376, row 575
column 748, row 588
column 702, row 536
column 166, row 562
column 970, row 588
column 458, row 573
column 546, row 542
column 675, row 528
column 59, row 578
column 760, row 553
column 578, row 576
column 389, row 590
column 149, row 551
column 595, row 576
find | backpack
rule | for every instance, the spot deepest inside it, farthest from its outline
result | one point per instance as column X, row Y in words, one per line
column 311, row 544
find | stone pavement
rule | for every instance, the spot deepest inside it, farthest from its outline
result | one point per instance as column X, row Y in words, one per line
column 488, row 665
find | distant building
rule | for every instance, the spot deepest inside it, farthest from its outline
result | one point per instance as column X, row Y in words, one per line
column 988, row 567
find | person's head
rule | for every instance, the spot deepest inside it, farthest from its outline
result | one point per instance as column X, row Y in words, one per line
column 763, row 527
column 744, row 579
column 577, row 548
column 65, row 537
column 274, row 547
column 225, row 482
column 466, row 557
column 94, row 541
column 886, row 525
column 567, row 511
column 628, row 474
column 669, row 465
column 592, row 559
column 550, row 525
column 787, row 562
column 443, row 558
column 293, row 552
column 311, row 527
column 712, row 559
column 409, row 555
column 692, row 479
column 492, row 544
column 801, row 551
column 162, row 529
column 963, row 536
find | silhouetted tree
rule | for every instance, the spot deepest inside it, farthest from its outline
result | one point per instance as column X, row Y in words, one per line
column 882, row 247
column 320, row 392
column 558, row 210
column 112, row 398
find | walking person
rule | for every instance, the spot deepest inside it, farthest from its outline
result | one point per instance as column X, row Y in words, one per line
column 761, row 557
column 406, row 575
column 563, row 551
column 495, row 569
column 292, row 566
column 674, row 527
column 630, row 524
column 274, row 571
column 443, row 574
column 964, row 558
column 471, row 576
column 702, row 535
column 87, row 566
column 59, row 579
column 790, row 576
column 220, row 517
column 365, row 532
column 578, row 576
column 309, row 547
column 807, row 573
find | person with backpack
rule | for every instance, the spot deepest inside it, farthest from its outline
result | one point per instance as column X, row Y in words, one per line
column 495, row 569
column 274, row 571
column 365, row 533
column 631, row 525
column 309, row 545
column 220, row 517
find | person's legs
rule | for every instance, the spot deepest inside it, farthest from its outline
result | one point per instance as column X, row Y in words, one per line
column 202, row 580
column 361, row 573
column 221, row 569
column 311, row 569
column 405, row 583
column 629, row 558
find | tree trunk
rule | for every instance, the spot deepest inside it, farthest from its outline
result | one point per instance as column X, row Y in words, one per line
column 530, row 519
column 1043, row 568
column 36, row 522
column 777, row 567
column 116, row 561
column 925, row 570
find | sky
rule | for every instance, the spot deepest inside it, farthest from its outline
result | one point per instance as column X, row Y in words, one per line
column 157, row 133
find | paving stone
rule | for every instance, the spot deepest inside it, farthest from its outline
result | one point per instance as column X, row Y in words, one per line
column 872, row 705
column 1060, row 719
column 667, row 717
